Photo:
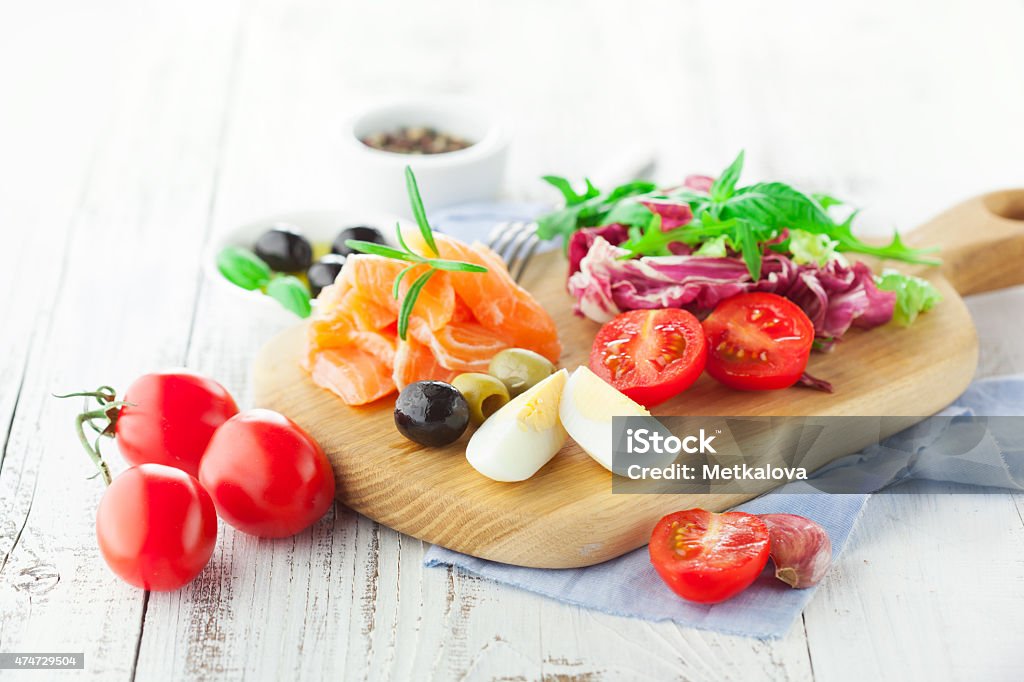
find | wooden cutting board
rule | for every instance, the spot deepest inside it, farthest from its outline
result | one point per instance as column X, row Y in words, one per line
column 566, row 515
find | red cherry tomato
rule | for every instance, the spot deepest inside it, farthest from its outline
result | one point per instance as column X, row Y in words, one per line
column 170, row 418
column 156, row 527
column 706, row 557
column 650, row 355
column 266, row 475
column 758, row 341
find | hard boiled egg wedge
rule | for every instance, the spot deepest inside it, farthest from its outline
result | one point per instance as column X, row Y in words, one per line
column 521, row 437
column 588, row 405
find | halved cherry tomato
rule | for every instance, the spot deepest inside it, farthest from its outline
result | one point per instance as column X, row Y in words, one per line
column 156, row 527
column 707, row 557
column 650, row 355
column 267, row 476
column 758, row 341
column 170, row 417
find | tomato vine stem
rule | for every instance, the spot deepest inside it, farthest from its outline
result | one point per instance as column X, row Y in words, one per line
column 107, row 414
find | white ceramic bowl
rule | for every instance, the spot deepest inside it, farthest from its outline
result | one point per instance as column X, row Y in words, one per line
column 475, row 173
column 317, row 226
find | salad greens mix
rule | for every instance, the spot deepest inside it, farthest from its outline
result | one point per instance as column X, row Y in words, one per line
column 721, row 219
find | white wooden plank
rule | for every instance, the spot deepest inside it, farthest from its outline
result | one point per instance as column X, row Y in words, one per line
column 929, row 588
column 116, row 305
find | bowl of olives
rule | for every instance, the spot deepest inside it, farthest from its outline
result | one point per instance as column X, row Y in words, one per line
column 283, row 262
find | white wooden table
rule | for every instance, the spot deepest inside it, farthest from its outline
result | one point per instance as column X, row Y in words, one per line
column 130, row 132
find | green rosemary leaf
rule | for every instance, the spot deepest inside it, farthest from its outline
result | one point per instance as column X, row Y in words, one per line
column 410, row 300
column 398, row 281
column 418, row 211
column 454, row 265
column 382, row 250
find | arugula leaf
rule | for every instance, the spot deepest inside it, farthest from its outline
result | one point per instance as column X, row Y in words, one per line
column 418, row 211
column 894, row 250
column 410, row 300
column 593, row 210
column 630, row 212
column 913, row 295
column 725, row 184
column 570, row 195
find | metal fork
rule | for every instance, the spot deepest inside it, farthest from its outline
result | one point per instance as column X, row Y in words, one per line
column 515, row 243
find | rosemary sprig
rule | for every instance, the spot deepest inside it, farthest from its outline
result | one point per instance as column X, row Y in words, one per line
column 406, row 254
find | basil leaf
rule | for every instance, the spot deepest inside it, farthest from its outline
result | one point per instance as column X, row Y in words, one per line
column 410, row 300
column 243, row 268
column 776, row 205
column 418, row 211
column 725, row 184
column 750, row 250
column 382, row 250
column 291, row 293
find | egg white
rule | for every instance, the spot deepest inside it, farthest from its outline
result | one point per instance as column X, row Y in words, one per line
column 524, row 435
column 586, row 410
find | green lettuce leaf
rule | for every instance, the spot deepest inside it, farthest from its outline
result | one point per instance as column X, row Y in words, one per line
column 808, row 247
column 913, row 295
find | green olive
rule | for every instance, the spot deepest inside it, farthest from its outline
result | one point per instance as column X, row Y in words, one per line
column 520, row 369
column 485, row 395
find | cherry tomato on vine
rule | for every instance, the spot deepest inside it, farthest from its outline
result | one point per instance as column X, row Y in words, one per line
column 650, row 355
column 706, row 557
column 758, row 341
column 156, row 527
column 169, row 417
column 266, row 475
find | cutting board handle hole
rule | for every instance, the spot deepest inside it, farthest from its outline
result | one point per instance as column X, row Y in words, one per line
column 1008, row 204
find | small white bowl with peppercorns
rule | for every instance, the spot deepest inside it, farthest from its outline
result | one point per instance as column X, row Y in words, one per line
column 457, row 147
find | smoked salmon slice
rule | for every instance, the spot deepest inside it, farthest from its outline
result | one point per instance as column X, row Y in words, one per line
column 355, row 375
column 459, row 322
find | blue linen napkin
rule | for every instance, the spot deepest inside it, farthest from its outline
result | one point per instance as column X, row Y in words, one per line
column 628, row 585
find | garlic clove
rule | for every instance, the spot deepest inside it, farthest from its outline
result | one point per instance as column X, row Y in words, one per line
column 800, row 548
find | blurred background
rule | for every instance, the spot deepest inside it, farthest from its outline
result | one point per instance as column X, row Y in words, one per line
column 902, row 107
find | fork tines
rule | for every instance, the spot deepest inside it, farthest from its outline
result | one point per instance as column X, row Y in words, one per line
column 515, row 243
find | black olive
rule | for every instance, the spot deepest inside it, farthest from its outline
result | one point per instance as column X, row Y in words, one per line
column 431, row 413
column 284, row 249
column 323, row 273
column 363, row 233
